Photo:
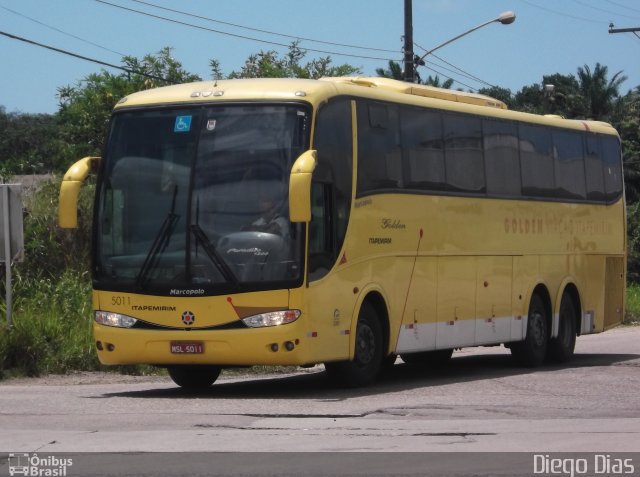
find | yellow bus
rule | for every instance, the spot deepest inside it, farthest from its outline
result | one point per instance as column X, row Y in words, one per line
column 347, row 221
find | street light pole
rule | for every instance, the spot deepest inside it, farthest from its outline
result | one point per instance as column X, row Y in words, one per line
column 408, row 42
column 505, row 18
column 623, row 30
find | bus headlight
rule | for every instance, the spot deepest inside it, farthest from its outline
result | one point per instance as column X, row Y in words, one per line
column 108, row 318
column 273, row 318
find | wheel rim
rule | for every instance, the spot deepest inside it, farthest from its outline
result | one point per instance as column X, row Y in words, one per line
column 538, row 329
column 365, row 344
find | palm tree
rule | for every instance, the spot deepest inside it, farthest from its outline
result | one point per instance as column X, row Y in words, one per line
column 599, row 94
column 435, row 81
column 394, row 71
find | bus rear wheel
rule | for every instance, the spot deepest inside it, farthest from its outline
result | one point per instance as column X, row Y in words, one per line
column 532, row 350
column 561, row 347
column 194, row 376
column 368, row 355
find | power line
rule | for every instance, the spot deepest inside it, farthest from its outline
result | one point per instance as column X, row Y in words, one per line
column 81, row 57
column 460, row 70
column 623, row 6
column 561, row 13
column 430, row 67
column 282, row 35
column 61, row 31
column 584, row 4
column 235, row 35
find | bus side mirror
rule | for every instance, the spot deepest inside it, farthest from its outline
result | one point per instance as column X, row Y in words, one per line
column 300, row 187
column 69, row 190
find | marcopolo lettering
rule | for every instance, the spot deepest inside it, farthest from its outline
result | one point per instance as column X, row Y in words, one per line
column 186, row 292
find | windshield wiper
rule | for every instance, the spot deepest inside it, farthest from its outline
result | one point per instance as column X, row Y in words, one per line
column 213, row 254
column 160, row 242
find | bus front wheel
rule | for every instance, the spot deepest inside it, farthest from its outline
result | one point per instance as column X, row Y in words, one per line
column 194, row 376
column 532, row 350
column 368, row 355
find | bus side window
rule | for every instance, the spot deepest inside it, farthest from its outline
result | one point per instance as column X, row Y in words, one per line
column 423, row 149
column 612, row 170
column 463, row 153
column 502, row 158
column 594, row 169
column 379, row 152
column 568, row 161
column 536, row 161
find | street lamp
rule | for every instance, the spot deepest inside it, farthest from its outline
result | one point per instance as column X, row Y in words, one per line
column 506, row 18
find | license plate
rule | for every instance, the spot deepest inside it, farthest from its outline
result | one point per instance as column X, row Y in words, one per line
column 184, row 347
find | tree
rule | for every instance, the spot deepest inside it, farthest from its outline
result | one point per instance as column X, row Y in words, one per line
column 394, row 71
column 530, row 99
column 566, row 99
column 28, row 143
column 269, row 64
column 626, row 119
column 435, row 82
column 598, row 92
column 503, row 94
column 86, row 107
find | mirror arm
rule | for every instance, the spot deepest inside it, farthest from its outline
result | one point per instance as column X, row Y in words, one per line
column 70, row 188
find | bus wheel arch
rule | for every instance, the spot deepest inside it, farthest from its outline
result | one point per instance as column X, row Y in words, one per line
column 370, row 340
column 376, row 300
column 532, row 351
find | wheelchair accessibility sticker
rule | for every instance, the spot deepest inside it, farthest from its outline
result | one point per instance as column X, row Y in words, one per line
column 183, row 124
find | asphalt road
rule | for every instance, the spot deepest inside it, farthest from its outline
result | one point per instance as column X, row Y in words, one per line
column 481, row 403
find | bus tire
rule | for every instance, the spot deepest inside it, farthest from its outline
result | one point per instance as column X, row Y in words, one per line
column 561, row 347
column 368, row 355
column 532, row 351
column 194, row 376
column 435, row 358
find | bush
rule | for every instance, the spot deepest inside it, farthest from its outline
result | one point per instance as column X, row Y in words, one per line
column 632, row 311
column 51, row 330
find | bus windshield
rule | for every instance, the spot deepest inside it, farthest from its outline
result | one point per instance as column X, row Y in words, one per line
column 194, row 200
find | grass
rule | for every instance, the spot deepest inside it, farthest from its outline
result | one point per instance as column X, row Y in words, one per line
column 51, row 330
column 632, row 311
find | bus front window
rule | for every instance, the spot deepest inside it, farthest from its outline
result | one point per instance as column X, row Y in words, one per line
column 198, row 198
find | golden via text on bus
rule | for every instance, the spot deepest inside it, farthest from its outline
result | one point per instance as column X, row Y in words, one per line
column 347, row 221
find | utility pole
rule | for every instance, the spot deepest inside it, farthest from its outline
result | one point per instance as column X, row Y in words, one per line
column 408, row 42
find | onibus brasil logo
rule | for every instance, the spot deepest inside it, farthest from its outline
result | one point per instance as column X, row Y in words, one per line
column 32, row 465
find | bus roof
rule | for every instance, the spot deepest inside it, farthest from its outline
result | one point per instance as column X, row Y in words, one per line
column 318, row 91
column 403, row 87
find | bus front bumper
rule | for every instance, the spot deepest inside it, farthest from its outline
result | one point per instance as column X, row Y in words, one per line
column 277, row 345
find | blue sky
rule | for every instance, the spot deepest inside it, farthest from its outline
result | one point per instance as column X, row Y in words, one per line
column 548, row 36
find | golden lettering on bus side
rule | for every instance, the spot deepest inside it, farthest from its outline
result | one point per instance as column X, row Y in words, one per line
column 524, row 226
column 555, row 225
column 394, row 224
